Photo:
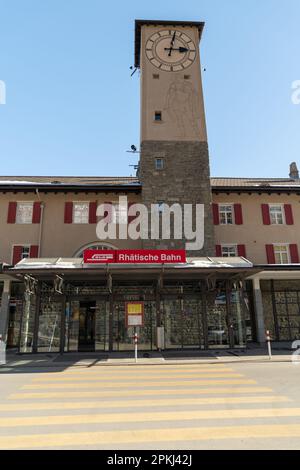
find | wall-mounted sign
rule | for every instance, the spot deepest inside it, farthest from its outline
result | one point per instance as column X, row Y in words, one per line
column 134, row 313
column 134, row 256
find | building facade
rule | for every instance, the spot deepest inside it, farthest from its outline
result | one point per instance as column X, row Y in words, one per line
column 245, row 279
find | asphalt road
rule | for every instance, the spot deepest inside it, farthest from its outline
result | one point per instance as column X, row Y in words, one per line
column 190, row 406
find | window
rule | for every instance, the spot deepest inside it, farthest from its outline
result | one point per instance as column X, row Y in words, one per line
column 157, row 116
column 187, row 77
column 81, row 213
column 229, row 251
column 24, row 213
column 226, row 214
column 120, row 214
column 281, row 253
column 156, row 76
column 159, row 163
column 276, row 214
column 25, row 252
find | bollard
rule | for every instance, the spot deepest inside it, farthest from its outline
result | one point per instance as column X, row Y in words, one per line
column 268, row 339
column 2, row 352
column 135, row 338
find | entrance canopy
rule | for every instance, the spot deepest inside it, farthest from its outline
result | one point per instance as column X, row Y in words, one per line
column 43, row 268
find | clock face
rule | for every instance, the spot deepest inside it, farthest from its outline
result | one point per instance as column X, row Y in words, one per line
column 171, row 50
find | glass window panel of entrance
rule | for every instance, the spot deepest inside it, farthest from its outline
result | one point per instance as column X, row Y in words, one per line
column 123, row 337
column 49, row 326
column 217, row 320
column 268, row 313
column 15, row 318
column 237, row 310
column 287, row 304
column 27, row 327
column 182, row 321
column 102, row 325
column 72, row 325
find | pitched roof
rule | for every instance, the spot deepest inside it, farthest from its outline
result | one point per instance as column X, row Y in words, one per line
column 255, row 183
column 69, row 180
column 132, row 183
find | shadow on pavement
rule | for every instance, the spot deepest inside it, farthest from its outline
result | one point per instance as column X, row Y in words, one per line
column 54, row 363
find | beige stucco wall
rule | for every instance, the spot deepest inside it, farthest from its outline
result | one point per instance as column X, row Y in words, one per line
column 58, row 238
column 253, row 233
column 154, row 94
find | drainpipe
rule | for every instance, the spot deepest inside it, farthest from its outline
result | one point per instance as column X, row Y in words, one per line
column 41, row 222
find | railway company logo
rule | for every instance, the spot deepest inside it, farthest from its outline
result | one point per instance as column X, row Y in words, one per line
column 102, row 257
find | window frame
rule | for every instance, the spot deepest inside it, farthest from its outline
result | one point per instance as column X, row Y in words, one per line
column 19, row 203
column 229, row 245
column 116, row 219
column 73, row 212
column 231, row 205
column 157, row 167
column 158, row 116
column 287, row 246
column 282, row 212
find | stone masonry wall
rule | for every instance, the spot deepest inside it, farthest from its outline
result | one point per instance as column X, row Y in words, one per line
column 185, row 179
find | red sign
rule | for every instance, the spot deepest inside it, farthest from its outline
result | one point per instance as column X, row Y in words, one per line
column 134, row 314
column 134, row 256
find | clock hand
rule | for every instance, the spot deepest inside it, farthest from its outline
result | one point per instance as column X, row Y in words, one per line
column 172, row 44
column 173, row 39
column 180, row 49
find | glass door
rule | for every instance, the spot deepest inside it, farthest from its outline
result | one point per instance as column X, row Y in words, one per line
column 49, row 326
column 217, row 320
column 86, row 341
column 27, row 327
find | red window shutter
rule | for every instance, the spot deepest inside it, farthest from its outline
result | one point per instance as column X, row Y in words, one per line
column 294, row 254
column 219, row 250
column 93, row 213
column 242, row 251
column 216, row 217
column 266, row 214
column 68, row 212
column 17, row 254
column 289, row 219
column 12, row 212
column 36, row 214
column 238, row 214
column 34, row 251
column 270, row 254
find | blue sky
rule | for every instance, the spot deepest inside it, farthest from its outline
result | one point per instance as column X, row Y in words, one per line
column 73, row 109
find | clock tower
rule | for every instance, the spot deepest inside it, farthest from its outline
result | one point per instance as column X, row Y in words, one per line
column 174, row 161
